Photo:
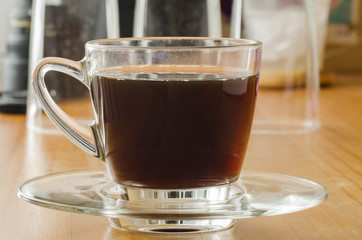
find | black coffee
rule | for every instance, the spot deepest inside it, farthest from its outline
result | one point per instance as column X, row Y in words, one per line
column 174, row 130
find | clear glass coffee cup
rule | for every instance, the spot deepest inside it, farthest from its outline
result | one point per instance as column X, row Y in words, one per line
column 171, row 115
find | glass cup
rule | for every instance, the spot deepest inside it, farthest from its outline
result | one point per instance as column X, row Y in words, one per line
column 171, row 115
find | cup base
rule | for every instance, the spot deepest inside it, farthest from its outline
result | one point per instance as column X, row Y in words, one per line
column 171, row 226
column 181, row 202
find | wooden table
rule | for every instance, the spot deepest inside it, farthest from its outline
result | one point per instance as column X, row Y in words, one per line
column 331, row 156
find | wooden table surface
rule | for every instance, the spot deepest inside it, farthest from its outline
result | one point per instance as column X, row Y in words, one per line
column 331, row 156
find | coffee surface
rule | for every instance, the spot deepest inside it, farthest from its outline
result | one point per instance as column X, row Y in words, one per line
column 174, row 130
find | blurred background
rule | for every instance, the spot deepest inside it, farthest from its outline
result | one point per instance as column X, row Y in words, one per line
column 342, row 48
column 343, row 45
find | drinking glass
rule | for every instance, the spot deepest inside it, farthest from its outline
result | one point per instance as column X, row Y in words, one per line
column 293, row 33
column 60, row 28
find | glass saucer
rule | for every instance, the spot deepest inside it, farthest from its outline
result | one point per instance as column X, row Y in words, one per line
column 181, row 210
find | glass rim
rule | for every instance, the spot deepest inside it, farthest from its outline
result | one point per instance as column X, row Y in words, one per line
column 220, row 43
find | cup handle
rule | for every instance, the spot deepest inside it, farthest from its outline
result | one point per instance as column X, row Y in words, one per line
column 85, row 137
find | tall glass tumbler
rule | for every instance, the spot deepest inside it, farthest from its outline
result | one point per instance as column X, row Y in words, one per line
column 61, row 28
column 292, row 32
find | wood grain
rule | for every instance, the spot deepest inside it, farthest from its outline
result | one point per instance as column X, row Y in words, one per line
column 331, row 156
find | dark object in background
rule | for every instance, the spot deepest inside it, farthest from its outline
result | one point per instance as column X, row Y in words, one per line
column 126, row 13
column 13, row 102
column 15, row 64
column 177, row 18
